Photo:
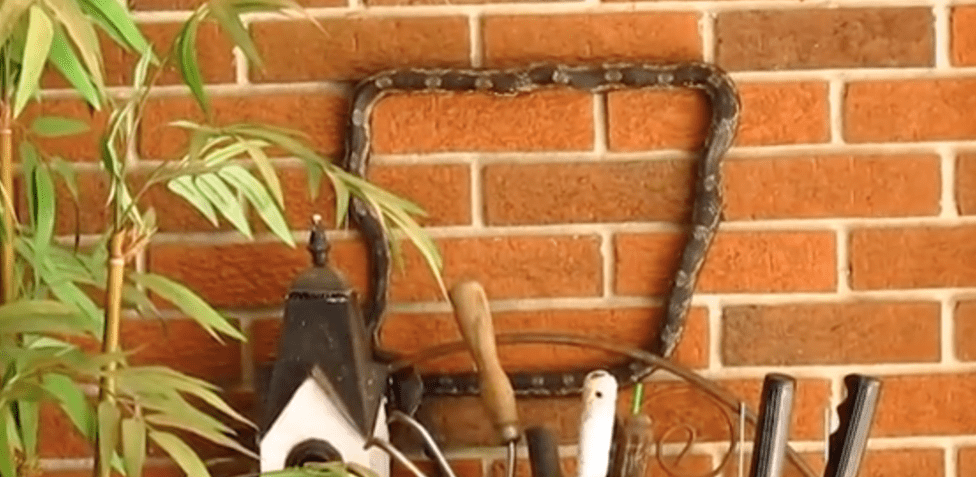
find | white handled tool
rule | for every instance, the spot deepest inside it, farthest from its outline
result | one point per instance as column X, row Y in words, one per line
column 596, row 424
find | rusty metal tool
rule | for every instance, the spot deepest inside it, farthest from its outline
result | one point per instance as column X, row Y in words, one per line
column 474, row 319
column 773, row 426
column 633, row 442
column 856, row 414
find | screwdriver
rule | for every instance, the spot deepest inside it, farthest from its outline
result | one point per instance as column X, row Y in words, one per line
column 474, row 319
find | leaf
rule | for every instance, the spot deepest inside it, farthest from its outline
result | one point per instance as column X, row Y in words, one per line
column 42, row 316
column 10, row 13
column 255, row 192
column 184, row 456
column 133, row 445
column 186, row 50
column 28, row 416
column 118, row 21
column 40, row 34
column 58, row 126
column 230, row 22
column 67, row 292
column 29, row 162
column 220, row 195
column 81, row 32
column 44, row 213
column 67, row 62
column 72, row 401
column 183, row 186
column 108, row 429
column 151, row 378
column 68, row 173
column 189, row 419
column 189, row 303
column 7, row 468
column 342, row 196
column 267, row 173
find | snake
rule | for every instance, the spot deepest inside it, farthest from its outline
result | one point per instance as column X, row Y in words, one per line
column 597, row 79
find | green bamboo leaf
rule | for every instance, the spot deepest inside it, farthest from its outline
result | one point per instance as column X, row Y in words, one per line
column 186, row 50
column 219, row 156
column 228, row 18
column 66, row 61
column 108, row 429
column 42, row 316
column 45, row 208
column 342, row 195
column 133, row 445
column 192, row 420
column 267, row 173
column 28, row 416
column 153, row 376
column 184, row 456
column 40, row 34
column 189, row 303
column 69, row 293
column 142, row 67
column 258, row 196
column 68, row 174
column 138, row 299
column 82, row 34
column 117, row 21
column 214, row 189
column 11, row 12
column 7, row 446
column 29, row 160
column 184, row 187
column 56, row 126
column 72, row 401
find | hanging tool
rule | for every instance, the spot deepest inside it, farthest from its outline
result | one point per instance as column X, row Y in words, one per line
column 856, row 414
column 633, row 442
column 474, row 319
column 596, row 424
column 543, row 452
column 773, row 426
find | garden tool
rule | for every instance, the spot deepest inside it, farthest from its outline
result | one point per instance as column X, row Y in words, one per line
column 543, row 452
column 848, row 442
column 324, row 399
column 474, row 319
column 633, row 441
column 773, row 426
column 596, row 424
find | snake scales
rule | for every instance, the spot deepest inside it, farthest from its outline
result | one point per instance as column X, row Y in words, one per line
column 706, row 209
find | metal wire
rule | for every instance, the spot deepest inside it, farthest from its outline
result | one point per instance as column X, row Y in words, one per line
column 428, row 439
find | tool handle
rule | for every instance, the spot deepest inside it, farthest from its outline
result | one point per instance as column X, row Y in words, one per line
column 633, row 447
column 856, row 414
column 543, row 452
column 474, row 318
column 596, row 424
column 773, row 426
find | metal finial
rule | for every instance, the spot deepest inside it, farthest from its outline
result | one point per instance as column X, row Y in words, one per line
column 318, row 245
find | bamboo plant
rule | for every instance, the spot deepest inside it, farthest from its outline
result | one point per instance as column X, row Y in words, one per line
column 47, row 301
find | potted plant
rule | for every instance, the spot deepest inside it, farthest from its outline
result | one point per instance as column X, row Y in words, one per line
column 53, row 293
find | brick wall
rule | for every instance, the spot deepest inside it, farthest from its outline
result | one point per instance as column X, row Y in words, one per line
column 848, row 237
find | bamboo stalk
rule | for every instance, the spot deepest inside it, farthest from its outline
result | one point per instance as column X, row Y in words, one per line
column 113, row 326
column 7, row 181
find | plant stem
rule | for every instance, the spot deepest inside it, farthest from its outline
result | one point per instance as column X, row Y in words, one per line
column 7, row 182
column 113, row 326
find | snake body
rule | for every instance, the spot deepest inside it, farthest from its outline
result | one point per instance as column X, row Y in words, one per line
column 706, row 209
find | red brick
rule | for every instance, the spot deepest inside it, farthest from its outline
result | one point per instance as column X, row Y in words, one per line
column 213, row 54
column 963, row 31
column 967, row 462
column 192, row 4
column 184, row 346
column 321, row 116
column 687, row 464
column 825, row 38
column 78, row 147
column 831, row 334
column 588, row 192
column 509, row 267
column 903, row 463
column 517, row 40
column 443, row 191
column 461, row 467
column 966, row 184
column 408, row 333
column 462, row 421
column 543, row 121
column 813, row 461
column 965, row 329
column 89, row 215
column 522, row 467
column 57, row 435
column 927, row 110
column 912, row 257
column 772, row 113
column 917, row 405
column 737, row 262
column 354, row 47
column 832, row 186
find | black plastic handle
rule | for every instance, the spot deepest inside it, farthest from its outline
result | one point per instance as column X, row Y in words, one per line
column 773, row 426
column 856, row 414
column 543, row 452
